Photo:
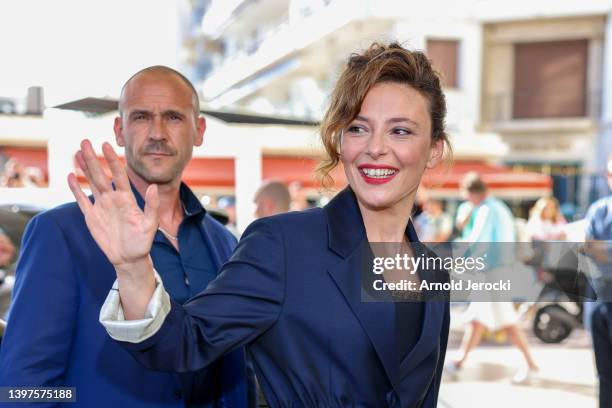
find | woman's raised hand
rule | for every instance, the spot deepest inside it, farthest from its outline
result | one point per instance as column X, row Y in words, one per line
column 120, row 228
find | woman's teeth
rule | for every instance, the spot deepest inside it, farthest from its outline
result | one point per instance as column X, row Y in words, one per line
column 378, row 173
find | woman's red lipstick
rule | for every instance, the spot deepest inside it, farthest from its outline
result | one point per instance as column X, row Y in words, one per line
column 377, row 174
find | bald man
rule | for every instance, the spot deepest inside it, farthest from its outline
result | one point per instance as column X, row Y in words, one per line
column 53, row 338
column 272, row 198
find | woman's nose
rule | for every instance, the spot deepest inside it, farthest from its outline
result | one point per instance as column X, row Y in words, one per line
column 377, row 145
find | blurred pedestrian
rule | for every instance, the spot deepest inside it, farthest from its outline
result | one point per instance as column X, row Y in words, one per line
column 464, row 219
column 16, row 175
column 228, row 205
column 272, row 198
column 13, row 175
column 491, row 222
column 433, row 224
column 546, row 221
column 598, row 236
column 299, row 197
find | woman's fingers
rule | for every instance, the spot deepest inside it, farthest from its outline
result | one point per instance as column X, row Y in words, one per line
column 116, row 167
column 118, row 226
column 94, row 169
column 151, row 207
column 83, row 166
column 81, row 198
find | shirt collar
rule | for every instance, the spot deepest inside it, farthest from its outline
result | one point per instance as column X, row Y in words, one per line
column 191, row 204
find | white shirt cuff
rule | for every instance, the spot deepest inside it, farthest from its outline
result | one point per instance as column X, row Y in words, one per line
column 135, row 331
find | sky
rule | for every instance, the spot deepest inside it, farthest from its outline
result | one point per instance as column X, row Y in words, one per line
column 78, row 48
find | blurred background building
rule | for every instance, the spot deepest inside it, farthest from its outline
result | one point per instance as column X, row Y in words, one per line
column 526, row 84
column 524, row 80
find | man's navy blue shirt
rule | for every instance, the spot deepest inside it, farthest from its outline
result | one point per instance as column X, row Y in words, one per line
column 189, row 270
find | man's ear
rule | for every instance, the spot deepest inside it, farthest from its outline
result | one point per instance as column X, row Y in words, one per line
column 435, row 154
column 118, row 128
column 201, row 128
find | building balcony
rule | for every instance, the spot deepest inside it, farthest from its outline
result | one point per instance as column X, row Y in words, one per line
column 280, row 43
column 219, row 15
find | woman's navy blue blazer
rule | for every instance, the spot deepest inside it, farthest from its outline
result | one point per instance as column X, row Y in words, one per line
column 292, row 294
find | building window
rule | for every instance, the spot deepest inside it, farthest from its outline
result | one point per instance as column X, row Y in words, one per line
column 444, row 55
column 550, row 79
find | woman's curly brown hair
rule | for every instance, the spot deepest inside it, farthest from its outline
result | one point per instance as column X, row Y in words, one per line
column 379, row 63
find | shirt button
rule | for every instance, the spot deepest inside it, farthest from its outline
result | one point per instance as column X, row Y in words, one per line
column 186, row 281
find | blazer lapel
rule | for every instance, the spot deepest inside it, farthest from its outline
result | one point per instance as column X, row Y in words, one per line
column 377, row 318
column 433, row 312
column 428, row 340
column 347, row 238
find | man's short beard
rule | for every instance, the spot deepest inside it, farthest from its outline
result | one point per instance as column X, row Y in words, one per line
column 167, row 177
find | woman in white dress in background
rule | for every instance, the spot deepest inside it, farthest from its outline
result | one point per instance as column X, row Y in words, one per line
column 491, row 221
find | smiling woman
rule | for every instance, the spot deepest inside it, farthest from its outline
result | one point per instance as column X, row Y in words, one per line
column 381, row 64
column 292, row 290
column 385, row 125
column 389, row 143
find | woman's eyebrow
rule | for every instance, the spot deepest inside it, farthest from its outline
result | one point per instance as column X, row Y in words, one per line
column 402, row 119
column 390, row 120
